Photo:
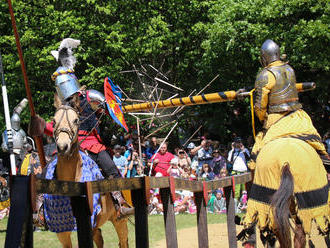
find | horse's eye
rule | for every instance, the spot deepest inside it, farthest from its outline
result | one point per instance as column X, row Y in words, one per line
column 76, row 121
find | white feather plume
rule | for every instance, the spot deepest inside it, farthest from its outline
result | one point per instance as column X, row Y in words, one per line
column 69, row 43
column 65, row 53
column 55, row 54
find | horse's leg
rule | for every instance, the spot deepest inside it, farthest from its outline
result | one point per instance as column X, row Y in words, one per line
column 119, row 224
column 98, row 238
column 122, row 231
column 65, row 239
column 101, row 218
column 299, row 237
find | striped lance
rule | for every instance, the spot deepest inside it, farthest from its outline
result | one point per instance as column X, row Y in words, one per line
column 225, row 96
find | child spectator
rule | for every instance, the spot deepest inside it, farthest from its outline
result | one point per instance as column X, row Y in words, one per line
column 218, row 162
column 223, row 172
column 140, row 172
column 210, row 203
column 242, row 205
column 155, row 206
column 206, row 173
column 185, row 202
column 193, row 175
column 219, row 202
column 174, row 170
column 120, row 161
column 186, row 173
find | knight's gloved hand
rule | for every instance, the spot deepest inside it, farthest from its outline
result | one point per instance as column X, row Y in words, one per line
column 241, row 94
column 103, row 106
column 36, row 126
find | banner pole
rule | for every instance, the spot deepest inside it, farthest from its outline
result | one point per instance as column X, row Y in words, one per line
column 8, row 122
column 38, row 139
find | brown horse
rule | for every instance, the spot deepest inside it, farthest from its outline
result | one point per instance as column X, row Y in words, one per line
column 68, row 168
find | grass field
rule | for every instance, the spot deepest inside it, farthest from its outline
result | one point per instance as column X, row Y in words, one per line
column 47, row 239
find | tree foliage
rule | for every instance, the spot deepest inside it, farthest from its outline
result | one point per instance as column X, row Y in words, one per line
column 195, row 40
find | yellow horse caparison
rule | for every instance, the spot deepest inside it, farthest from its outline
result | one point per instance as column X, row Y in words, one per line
column 69, row 169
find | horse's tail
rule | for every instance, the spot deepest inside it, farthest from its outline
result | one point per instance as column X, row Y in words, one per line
column 281, row 207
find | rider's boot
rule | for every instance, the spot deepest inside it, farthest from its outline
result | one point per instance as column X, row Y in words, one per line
column 123, row 208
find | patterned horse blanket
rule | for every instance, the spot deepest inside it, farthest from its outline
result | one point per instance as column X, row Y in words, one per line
column 58, row 211
column 292, row 140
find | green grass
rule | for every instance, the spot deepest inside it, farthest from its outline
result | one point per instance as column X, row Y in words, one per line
column 156, row 231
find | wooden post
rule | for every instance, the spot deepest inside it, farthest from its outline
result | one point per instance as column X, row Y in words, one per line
column 141, row 218
column 169, row 218
column 203, row 241
column 81, row 212
column 19, row 226
column 231, row 227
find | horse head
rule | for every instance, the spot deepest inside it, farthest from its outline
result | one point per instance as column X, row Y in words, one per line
column 66, row 125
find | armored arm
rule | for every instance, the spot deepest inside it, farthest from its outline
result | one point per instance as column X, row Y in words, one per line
column 4, row 144
column 96, row 99
column 264, row 82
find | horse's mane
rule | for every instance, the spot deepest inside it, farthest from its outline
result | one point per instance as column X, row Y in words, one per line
column 72, row 101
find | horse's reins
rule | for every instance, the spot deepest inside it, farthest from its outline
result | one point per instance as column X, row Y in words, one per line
column 70, row 131
column 87, row 117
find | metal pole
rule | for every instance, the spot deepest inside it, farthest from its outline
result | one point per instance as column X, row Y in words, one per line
column 7, row 118
column 38, row 139
column 139, row 138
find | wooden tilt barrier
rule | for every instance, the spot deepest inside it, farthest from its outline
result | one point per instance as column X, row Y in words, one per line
column 81, row 201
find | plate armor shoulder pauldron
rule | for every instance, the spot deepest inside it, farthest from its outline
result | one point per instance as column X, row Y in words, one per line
column 283, row 96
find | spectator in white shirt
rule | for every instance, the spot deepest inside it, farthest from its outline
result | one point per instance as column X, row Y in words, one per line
column 238, row 156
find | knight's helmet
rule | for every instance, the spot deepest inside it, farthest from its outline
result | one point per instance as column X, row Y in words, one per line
column 270, row 52
column 66, row 82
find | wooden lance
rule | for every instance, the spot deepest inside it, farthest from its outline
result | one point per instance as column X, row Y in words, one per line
column 38, row 139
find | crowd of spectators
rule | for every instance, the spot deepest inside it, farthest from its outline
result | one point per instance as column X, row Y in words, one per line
column 206, row 160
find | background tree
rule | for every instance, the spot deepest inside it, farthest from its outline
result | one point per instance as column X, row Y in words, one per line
column 194, row 40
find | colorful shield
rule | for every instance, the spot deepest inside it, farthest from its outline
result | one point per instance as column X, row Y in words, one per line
column 113, row 97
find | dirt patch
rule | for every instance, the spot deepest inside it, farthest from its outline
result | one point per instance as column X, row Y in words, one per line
column 187, row 238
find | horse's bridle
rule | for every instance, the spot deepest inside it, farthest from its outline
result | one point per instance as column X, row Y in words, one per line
column 70, row 131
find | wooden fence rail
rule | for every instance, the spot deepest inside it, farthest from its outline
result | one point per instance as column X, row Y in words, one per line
column 81, row 199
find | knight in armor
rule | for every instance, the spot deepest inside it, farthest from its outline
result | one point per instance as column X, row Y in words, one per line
column 20, row 142
column 277, row 105
column 92, row 106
